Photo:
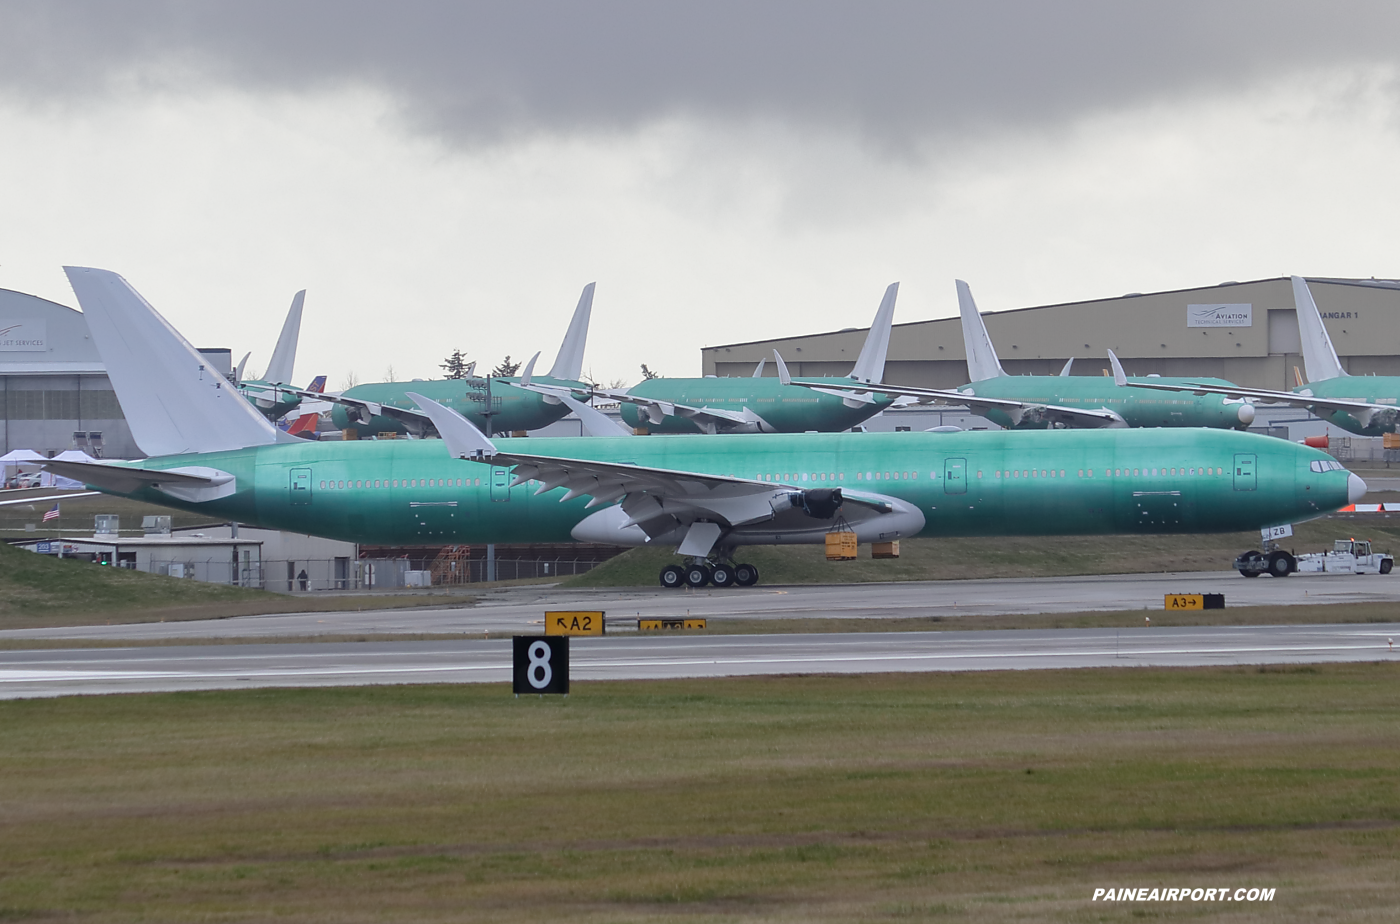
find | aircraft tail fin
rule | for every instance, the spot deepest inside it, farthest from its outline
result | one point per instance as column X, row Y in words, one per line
column 318, row 384
column 1065, row 372
column 784, row 377
column 870, row 365
column 1298, row 377
column 284, row 355
column 758, row 370
column 982, row 362
column 1319, row 356
column 1119, row 377
column 568, row 364
column 306, row 423
column 174, row 401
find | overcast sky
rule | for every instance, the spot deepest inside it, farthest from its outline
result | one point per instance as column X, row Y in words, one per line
column 450, row 175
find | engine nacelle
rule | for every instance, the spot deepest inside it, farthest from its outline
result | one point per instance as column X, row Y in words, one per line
column 818, row 503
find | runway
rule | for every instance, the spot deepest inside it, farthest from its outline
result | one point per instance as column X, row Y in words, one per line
column 206, row 667
column 521, row 610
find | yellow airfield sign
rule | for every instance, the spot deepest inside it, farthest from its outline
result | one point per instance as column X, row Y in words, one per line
column 657, row 625
column 573, row 622
column 1194, row 602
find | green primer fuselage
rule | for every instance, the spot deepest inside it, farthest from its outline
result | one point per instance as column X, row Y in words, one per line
column 966, row 484
column 513, row 408
column 784, row 408
column 283, row 402
column 1141, row 407
column 1374, row 389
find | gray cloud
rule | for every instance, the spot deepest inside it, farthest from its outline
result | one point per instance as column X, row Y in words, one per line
column 898, row 72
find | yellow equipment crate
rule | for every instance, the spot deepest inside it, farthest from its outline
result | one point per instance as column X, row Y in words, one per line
column 884, row 549
column 840, row 546
column 1390, row 440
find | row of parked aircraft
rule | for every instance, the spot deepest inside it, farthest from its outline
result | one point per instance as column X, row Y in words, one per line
column 211, row 452
column 1364, row 405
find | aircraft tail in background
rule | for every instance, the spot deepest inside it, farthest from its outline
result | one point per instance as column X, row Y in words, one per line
column 1319, row 356
column 174, row 401
column 982, row 362
column 568, row 365
column 870, row 365
column 284, row 355
column 318, row 384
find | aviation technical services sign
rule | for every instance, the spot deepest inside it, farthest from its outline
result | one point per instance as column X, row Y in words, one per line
column 23, row 335
column 1219, row 315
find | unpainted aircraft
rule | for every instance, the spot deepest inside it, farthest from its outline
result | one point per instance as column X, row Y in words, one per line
column 211, row 452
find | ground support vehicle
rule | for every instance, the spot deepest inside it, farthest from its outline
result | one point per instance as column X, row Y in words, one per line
column 1348, row 556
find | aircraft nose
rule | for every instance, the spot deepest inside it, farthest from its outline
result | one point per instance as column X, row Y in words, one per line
column 1246, row 414
column 1356, row 489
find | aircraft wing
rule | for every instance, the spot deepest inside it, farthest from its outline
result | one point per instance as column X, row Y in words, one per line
column 1265, row 395
column 692, row 508
column 707, row 418
column 361, row 411
column 1080, row 417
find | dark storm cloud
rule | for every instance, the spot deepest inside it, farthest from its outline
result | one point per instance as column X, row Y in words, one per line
column 898, row 71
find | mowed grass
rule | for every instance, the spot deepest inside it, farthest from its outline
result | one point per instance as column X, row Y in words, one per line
column 1007, row 556
column 38, row 591
column 965, row 797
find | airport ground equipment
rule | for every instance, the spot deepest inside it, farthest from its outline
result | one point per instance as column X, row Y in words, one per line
column 1348, row 556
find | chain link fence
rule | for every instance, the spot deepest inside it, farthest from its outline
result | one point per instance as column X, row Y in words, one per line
column 347, row 574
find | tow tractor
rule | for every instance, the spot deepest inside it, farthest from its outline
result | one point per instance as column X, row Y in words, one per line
column 1348, row 556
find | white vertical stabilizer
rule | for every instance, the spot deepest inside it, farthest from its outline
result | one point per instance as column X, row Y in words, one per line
column 284, row 355
column 870, row 365
column 568, row 364
column 174, row 401
column 1319, row 357
column 982, row 362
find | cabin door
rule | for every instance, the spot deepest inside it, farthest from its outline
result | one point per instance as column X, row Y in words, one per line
column 1244, row 471
column 300, row 487
column 954, row 476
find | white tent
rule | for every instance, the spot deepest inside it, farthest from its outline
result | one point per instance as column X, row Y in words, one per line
column 11, row 460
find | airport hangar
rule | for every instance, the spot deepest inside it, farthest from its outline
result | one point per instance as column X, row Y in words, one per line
column 1248, row 335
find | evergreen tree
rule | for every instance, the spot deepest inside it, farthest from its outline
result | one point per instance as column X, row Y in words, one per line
column 648, row 374
column 455, row 366
column 505, row 369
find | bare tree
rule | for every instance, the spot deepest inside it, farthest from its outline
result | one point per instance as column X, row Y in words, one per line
column 351, row 380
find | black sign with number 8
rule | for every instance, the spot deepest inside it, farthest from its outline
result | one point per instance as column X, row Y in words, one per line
column 541, row 664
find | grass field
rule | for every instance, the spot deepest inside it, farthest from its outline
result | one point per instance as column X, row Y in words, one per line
column 1020, row 556
column 964, row 797
column 41, row 590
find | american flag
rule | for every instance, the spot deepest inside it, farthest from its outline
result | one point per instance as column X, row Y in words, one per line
column 51, row 514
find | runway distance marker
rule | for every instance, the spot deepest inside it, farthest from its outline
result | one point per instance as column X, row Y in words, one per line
column 574, row 622
column 1194, row 601
column 541, row 664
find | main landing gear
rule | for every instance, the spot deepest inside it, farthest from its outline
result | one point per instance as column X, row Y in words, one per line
column 699, row 573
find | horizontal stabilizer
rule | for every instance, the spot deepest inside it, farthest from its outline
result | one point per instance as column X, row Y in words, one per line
column 173, row 399
column 188, row 483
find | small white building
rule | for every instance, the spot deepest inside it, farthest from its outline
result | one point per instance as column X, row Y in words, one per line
column 218, row 561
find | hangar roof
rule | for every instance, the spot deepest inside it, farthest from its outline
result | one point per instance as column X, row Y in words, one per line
column 38, row 336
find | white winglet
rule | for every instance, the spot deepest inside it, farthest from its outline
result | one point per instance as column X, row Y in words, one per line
column 982, row 362
column 870, row 365
column 174, row 401
column 783, row 375
column 1118, row 376
column 1065, row 371
column 529, row 371
column 594, row 421
column 758, row 370
column 1319, row 356
column 462, row 438
column 284, row 355
column 569, row 363
column 242, row 364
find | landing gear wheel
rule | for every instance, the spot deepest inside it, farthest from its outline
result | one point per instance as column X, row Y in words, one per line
column 722, row 575
column 697, row 575
column 745, row 575
column 672, row 576
column 1250, row 556
column 1280, row 564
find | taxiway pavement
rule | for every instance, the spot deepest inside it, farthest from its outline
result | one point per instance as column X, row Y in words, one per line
column 521, row 610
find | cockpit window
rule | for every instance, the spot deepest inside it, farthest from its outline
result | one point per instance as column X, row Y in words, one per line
column 1325, row 465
